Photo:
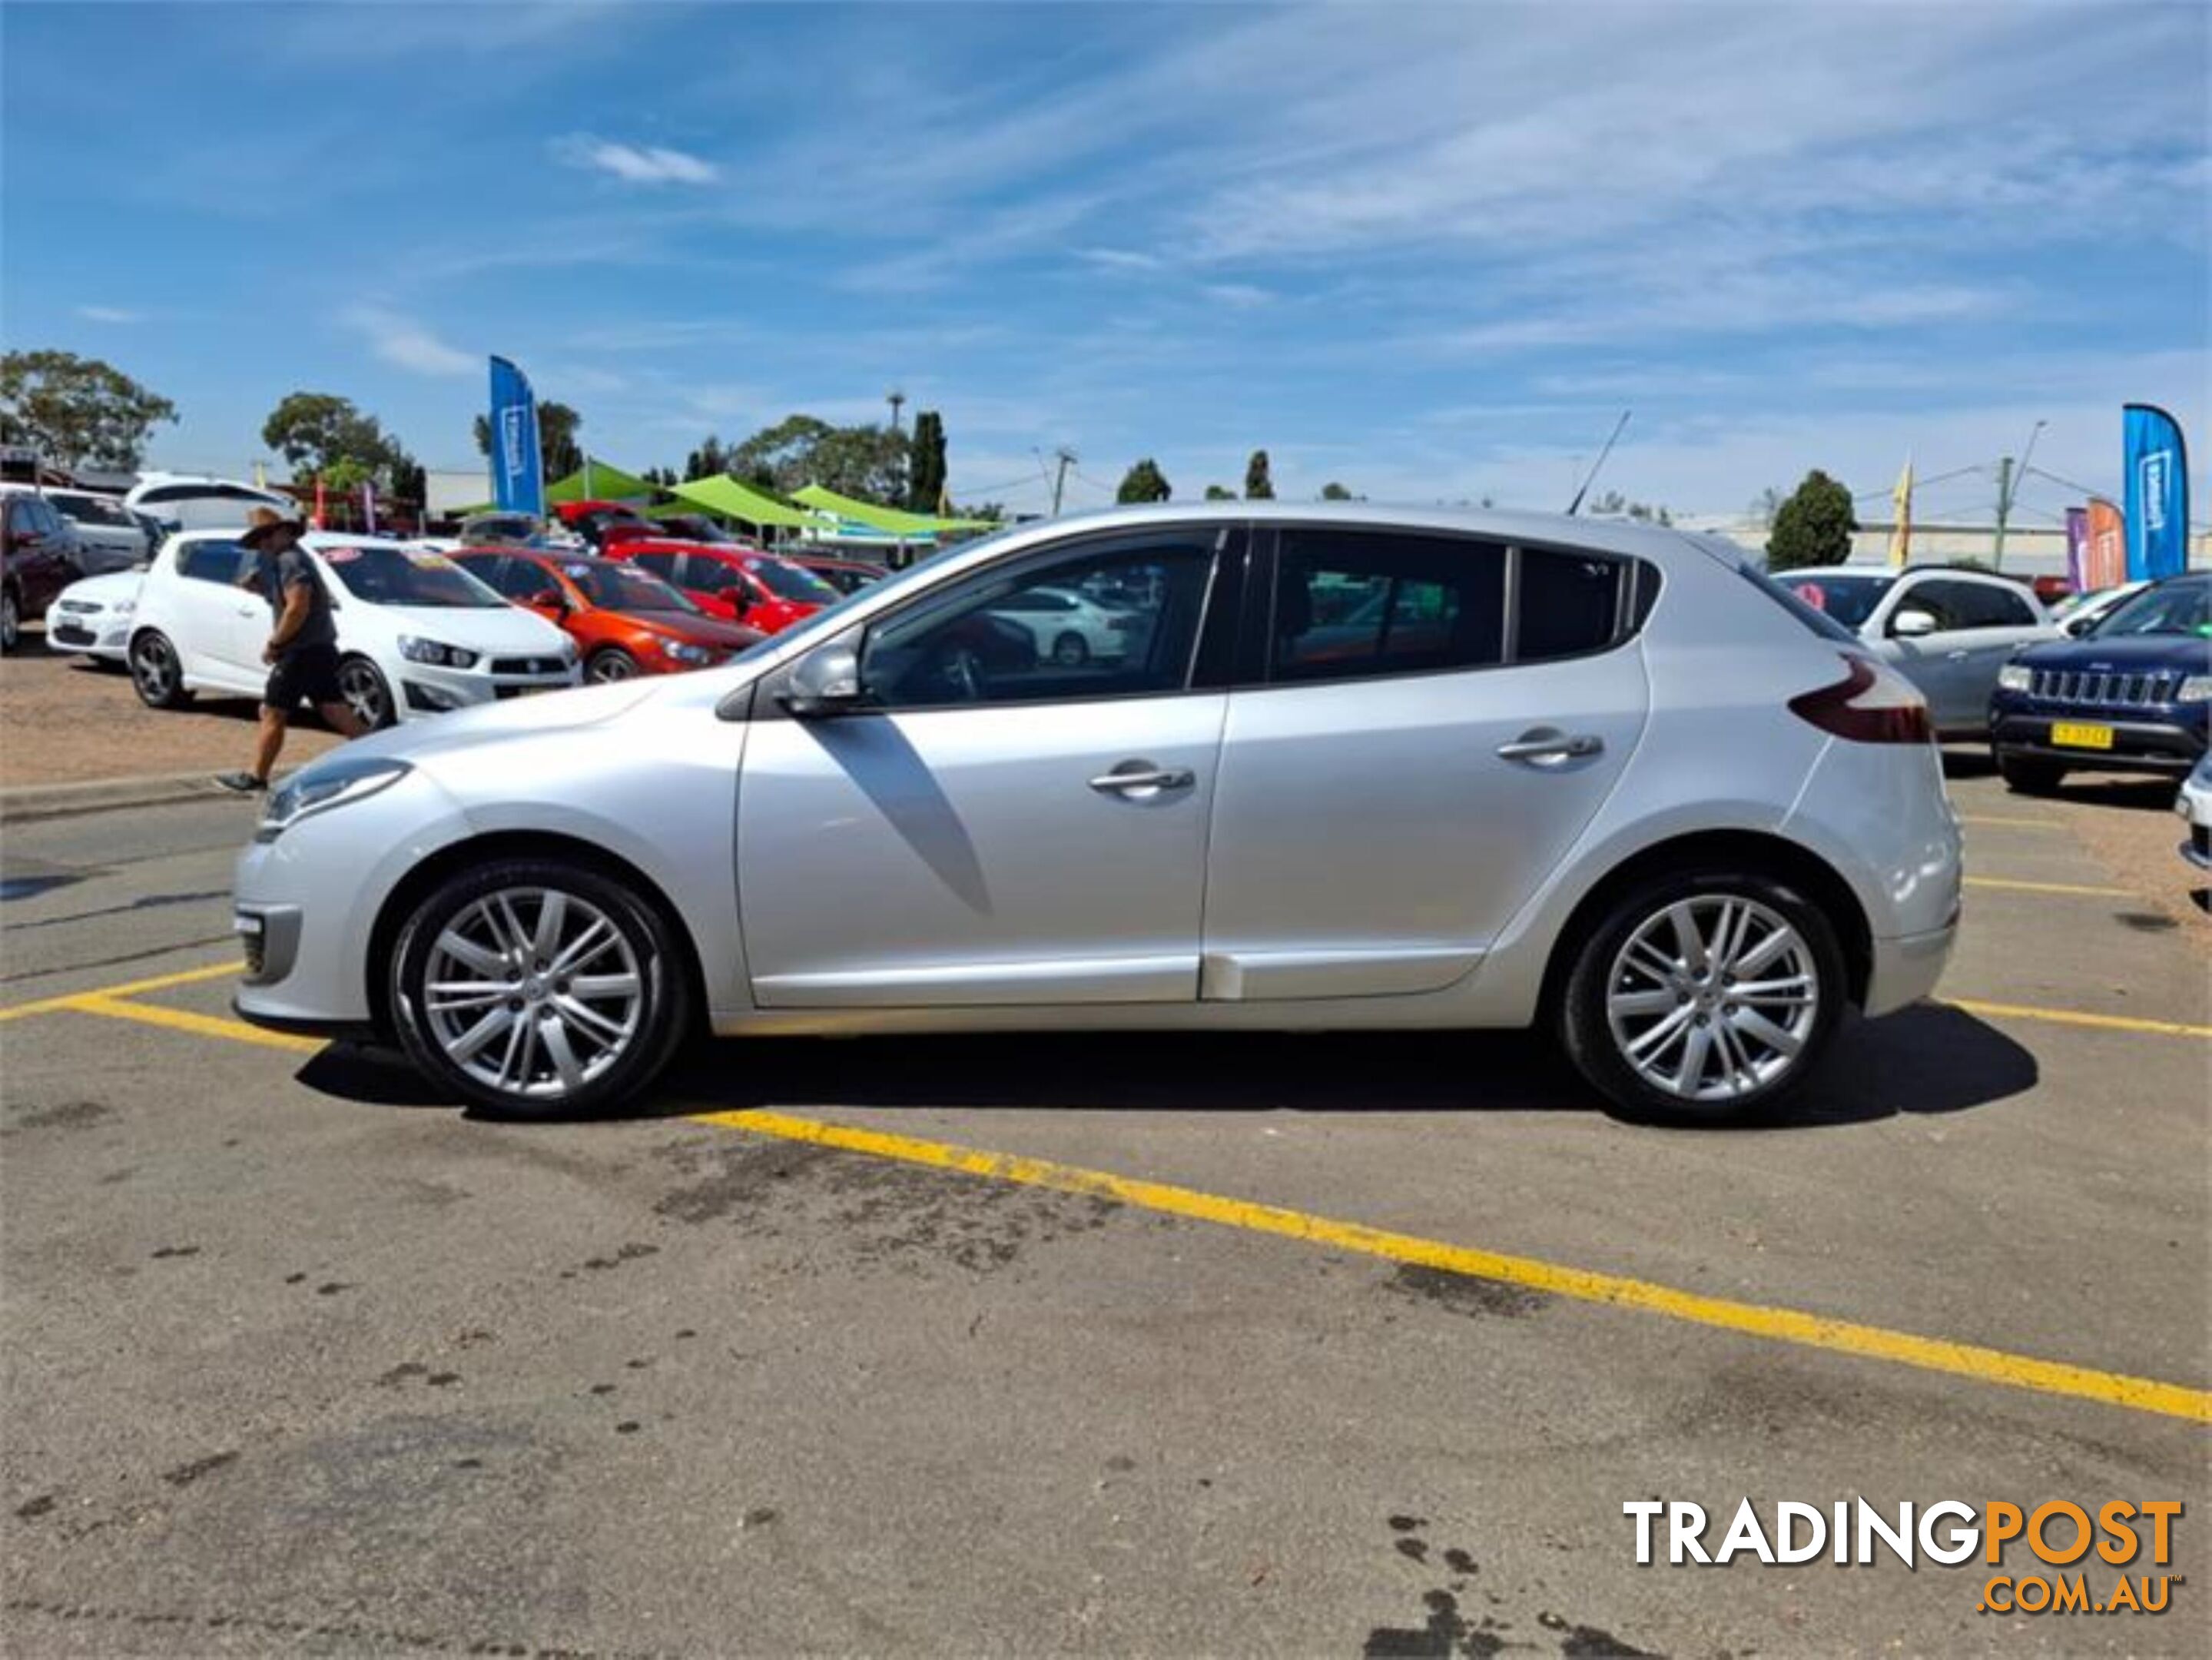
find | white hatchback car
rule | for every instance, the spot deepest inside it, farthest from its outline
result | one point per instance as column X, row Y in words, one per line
column 417, row 634
column 93, row 617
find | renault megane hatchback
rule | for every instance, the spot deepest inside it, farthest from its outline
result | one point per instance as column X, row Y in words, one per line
column 1349, row 768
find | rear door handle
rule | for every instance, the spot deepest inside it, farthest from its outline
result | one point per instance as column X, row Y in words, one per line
column 1957, row 656
column 1548, row 748
column 1143, row 775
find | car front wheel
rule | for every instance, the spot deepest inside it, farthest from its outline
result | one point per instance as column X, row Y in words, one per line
column 606, row 666
column 366, row 693
column 539, row 988
column 2025, row 777
column 1704, row 994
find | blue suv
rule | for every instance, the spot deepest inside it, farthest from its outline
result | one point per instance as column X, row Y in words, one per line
column 2131, row 696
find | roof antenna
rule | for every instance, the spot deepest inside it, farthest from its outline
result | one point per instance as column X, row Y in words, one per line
column 1575, row 506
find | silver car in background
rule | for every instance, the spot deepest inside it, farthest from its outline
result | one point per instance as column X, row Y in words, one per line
column 1368, row 769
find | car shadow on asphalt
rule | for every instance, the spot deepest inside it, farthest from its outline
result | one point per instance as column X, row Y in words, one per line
column 2133, row 795
column 1930, row 1058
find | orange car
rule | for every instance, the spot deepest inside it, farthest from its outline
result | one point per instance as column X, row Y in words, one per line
column 624, row 621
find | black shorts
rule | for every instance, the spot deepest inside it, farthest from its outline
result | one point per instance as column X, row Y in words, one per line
column 305, row 673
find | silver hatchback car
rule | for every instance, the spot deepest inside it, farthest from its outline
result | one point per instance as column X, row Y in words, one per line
column 1318, row 768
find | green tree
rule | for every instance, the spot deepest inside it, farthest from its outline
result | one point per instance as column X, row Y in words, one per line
column 1219, row 493
column 76, row 411
column 926, row 479
column 316, row 431
column 1144, row 481
column 1259, row 486
column 1333, row 491
column 1813, row 526
column 558, row 427
column 869, row 461
column 707, row 461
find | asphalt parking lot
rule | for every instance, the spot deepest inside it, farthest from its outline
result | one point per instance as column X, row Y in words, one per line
column 1324, row 1346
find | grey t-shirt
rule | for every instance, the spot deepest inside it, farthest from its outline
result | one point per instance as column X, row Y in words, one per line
column 279, row 572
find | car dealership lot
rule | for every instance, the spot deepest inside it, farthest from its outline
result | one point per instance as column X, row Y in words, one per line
column 301, row 1359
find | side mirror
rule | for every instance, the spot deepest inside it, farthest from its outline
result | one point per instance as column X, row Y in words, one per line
column 2076, row 627
column 740, row 601
column 547, row 600
column 825, row 682
column 1910, row 624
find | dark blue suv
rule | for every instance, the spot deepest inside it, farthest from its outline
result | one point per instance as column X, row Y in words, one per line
column 2131, row 696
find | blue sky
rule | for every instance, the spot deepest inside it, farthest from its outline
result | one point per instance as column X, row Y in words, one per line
column 1430, row 251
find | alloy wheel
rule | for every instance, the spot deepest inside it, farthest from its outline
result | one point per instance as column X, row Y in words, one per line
column 11, row 622
column 363, row 688
column 609, row 667
column 154, row 668
column 1713, row 997
column 532, row 992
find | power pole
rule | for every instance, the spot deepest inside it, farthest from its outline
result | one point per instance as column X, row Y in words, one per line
column 1067, row 457
column 2004, row 510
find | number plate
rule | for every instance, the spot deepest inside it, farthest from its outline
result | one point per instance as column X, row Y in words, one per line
column 2080, row 735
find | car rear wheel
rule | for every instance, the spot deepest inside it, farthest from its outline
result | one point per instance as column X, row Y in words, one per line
column 539, row 988
column 2025, row 777
column 1071, row 651
column 610, row 664
column 11, row 621
column 362, row 685
column 1704, row 994
column 155, row 674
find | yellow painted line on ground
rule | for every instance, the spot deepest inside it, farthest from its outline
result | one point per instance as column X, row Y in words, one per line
column 158, row 982
column 1778, row 1325
column 200, row 1025
column 2008, row 883
column 2076, row 1017
column 2011, row 823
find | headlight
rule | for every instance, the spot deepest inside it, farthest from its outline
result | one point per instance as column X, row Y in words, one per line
column 432, row 651
column 324, row 784
column 2197, row 689
column 684, row 653
column 124, row 607
column 2015, row 677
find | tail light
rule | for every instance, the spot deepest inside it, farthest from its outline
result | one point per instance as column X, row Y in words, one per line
column 1873, row 703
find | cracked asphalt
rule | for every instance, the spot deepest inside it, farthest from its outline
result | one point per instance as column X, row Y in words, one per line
column 299, row 1359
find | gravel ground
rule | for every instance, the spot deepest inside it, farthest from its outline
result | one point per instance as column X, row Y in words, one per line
column 64, row 722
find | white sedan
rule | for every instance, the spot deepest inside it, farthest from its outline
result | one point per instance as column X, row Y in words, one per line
column 417, row 635
column 92, row 617
column 1069, row 629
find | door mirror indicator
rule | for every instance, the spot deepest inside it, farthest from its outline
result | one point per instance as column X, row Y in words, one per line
column 1910, row 624
column 826, row 682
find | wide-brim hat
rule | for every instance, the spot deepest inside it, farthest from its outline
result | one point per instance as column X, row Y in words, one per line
column 262, row 523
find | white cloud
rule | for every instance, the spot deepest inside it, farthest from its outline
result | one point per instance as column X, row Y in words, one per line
column 634, row 164
column 110, row 314
column 403, row 341
column 1120, row 258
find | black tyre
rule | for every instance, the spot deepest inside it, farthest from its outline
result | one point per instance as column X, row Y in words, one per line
column 540, row 988
column 367, row 693
column 1704, row 994
column 11, row 620
column 156, row 673
column 1071, row 651
column 2025, row 777
column 603, row 667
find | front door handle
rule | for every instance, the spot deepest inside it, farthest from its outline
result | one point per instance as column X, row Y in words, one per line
column 1132, row 775
column 1544, row 747
column 1957, row 656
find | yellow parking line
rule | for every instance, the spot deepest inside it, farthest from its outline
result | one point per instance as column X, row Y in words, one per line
column 1779, row 1325
column 158, row 982
column 2011, row 823
column 2076, row 1017
column 201, row 1026
column 2048, row 887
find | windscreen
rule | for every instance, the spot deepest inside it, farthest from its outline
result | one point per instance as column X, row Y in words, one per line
column 2176, row 608
column 789, row 582
column 1849, row 601
column 624, row 587
column 398, row 576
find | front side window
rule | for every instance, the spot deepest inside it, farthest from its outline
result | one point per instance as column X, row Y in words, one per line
column 1353, row 604
column 662, row 565
column 1951, row 604
column 213, row 562
column 987, row 641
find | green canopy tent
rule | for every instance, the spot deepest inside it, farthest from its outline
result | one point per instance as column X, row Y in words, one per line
column 893, row 521
column 606, row 485
column 732, row 500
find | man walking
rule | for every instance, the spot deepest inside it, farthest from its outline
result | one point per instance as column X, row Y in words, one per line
column 302, row 652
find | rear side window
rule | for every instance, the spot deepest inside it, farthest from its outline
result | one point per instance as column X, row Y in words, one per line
column 1567, row 603
column 662, row 565
column 1987, row 605
column 213, row 562
column 1350, row 604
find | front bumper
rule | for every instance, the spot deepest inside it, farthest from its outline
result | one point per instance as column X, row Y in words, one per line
column 436, row 688
column 1906, row 968
column 2142, row 741
column 93, row 634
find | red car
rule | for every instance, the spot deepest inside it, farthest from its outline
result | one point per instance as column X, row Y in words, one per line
column 595, row 521
column 758, row 589
column 624, row 621
column 845, row 575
